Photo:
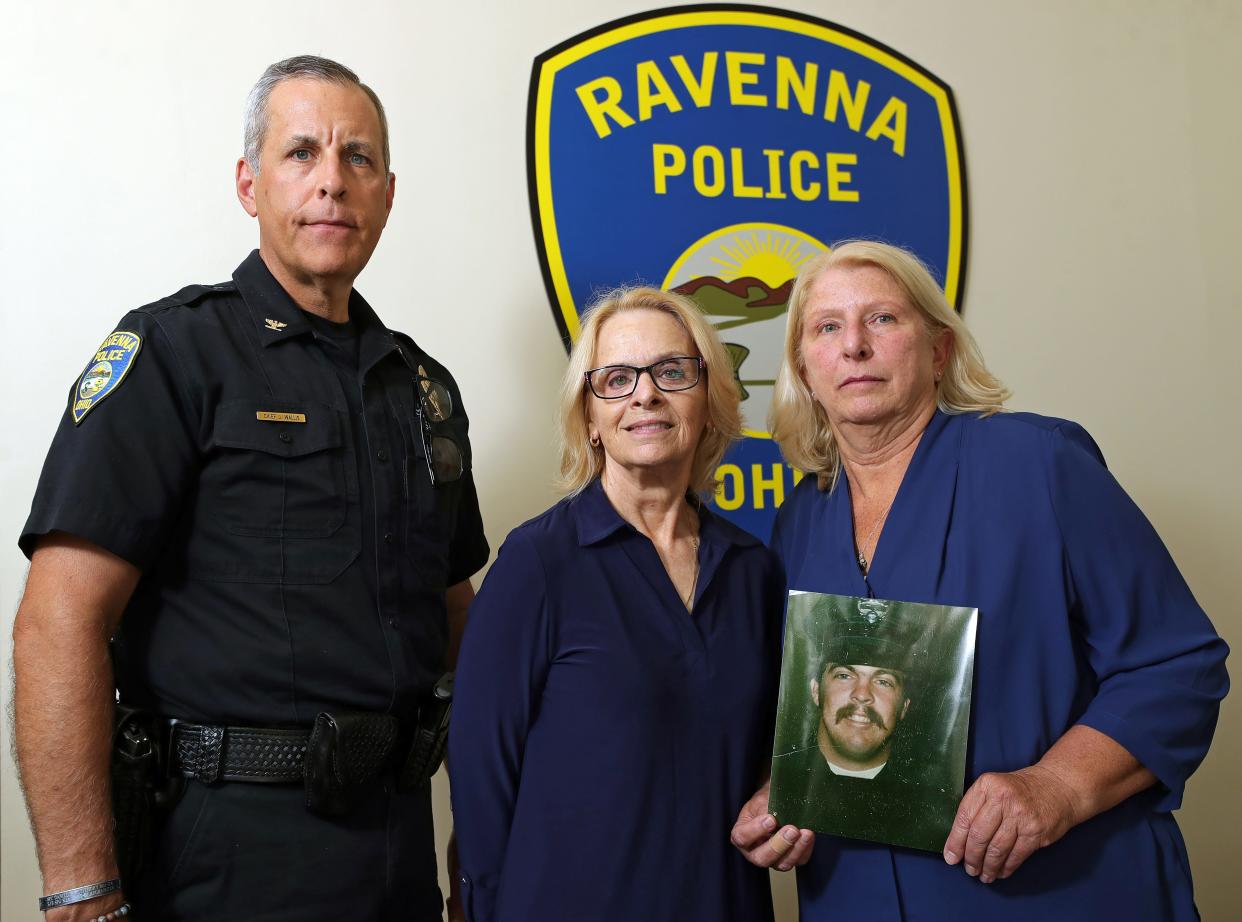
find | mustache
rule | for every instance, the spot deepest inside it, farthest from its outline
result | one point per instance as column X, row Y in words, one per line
column 869, row 712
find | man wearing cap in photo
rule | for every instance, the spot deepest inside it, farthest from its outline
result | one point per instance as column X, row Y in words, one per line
column 856, row 777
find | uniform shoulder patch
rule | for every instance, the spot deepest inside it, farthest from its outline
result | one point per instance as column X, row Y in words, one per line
column 105, row 372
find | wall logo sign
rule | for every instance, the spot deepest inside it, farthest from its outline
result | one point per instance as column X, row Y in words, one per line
column 713, row 150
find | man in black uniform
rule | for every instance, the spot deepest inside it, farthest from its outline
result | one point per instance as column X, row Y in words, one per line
column 263, row 498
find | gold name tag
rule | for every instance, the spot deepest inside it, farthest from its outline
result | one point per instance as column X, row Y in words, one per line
column 270, row 416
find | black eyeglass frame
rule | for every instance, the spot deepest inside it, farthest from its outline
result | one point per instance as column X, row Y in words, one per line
column 638, row 373
column 425, row 396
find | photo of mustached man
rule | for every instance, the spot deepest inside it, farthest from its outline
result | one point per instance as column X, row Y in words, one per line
column 861, row 705
column 872, row 765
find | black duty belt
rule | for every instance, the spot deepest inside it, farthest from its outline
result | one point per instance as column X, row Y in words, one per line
column 212, row 754
column 335, row 758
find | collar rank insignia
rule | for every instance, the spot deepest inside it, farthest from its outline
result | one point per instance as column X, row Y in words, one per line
column 274, row 324
column 112, row 361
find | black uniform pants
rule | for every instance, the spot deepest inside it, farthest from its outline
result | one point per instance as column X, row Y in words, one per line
column 243, row 851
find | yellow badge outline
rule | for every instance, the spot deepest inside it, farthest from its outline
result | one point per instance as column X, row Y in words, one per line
column 546, row 76
column 111, row 386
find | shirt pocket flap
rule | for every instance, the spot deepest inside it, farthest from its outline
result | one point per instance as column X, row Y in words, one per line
column 288, row 430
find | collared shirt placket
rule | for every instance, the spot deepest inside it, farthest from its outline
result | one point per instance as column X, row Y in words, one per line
column 384, row 453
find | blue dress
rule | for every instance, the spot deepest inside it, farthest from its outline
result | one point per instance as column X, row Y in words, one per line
column 603, row 739
column 1083, row 618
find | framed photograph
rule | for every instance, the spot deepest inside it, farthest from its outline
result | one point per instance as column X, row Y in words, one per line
column 873, row 718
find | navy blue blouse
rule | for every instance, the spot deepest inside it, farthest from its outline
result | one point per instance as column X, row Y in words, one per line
column 1083, row 618
column 603, row 738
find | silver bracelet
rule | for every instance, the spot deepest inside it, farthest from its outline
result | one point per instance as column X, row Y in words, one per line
column 79, row 894
column 119, row 913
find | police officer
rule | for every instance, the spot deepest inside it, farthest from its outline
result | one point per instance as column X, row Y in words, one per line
column 257, row 521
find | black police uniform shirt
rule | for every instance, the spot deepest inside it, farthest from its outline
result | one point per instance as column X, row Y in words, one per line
column 270, row 480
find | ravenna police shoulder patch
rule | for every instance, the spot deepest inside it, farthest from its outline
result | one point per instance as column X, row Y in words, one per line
column 106, row 371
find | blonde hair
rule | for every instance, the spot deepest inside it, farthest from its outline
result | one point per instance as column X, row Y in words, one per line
column 796, row 419
column 582, row 462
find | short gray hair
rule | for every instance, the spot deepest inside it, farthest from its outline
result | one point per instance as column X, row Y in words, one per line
column 306, row 67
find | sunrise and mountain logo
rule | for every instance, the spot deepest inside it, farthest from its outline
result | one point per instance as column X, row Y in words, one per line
column 740, row 277
column 713, row 150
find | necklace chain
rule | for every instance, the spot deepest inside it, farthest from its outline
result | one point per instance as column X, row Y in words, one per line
column 863, row 563
column 694, row 583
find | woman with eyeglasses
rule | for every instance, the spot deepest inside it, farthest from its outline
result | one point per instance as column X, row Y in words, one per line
column 618, row 675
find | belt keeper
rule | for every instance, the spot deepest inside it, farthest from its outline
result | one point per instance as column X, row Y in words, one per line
column 211, row 739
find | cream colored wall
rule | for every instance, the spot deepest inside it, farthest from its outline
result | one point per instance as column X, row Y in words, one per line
column 1101, row 139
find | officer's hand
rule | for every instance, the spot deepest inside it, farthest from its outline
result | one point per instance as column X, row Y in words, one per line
column 755, row 835
column 1005, row 817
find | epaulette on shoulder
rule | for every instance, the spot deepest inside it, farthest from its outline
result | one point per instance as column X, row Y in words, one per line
column 417, row 353
column 405, row 340
column 187, row 296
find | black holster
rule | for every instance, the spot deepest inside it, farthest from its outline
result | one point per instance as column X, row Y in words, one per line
column 430, row 736
column 135, row 776
column 344, row 752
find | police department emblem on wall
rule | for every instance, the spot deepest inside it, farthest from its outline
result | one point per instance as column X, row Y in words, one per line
column 713, row 150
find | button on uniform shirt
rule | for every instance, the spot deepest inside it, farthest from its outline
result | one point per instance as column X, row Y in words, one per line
column 272, row 485
column 603, row 738
column 1083, row 619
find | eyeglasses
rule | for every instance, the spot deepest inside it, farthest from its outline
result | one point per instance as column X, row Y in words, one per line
column 679, row 373
column 435, row 405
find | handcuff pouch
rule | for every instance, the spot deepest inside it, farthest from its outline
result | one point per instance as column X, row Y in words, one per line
column 345, row 751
